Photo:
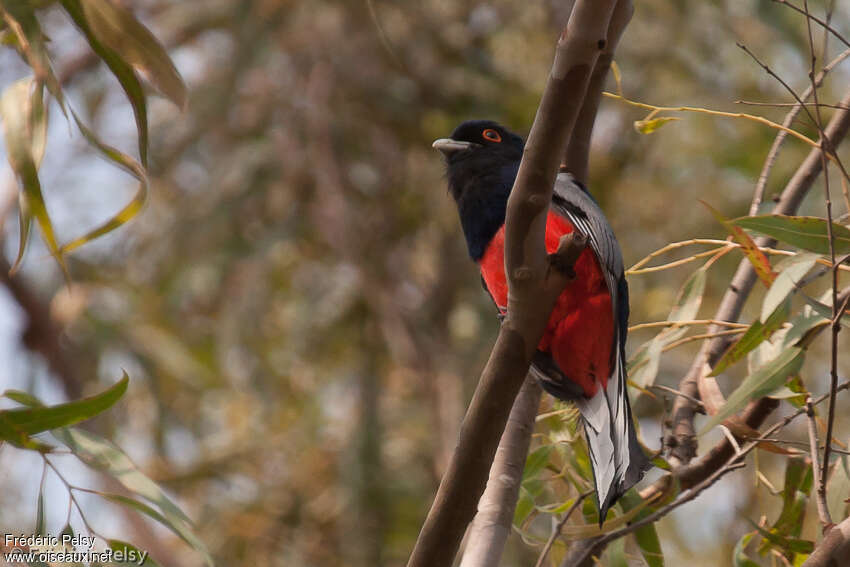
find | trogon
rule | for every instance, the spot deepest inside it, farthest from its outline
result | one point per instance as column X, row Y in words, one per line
column 581, row 357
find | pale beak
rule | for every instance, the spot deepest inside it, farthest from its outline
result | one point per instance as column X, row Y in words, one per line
column 448, row 146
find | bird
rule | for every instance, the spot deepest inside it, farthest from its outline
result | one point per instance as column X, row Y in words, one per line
column 581, row 357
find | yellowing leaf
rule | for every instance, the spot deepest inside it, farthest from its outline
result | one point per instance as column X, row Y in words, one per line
column 23, row 134
column 126, row 163
column 650, row 126
column 618, row 77
column 756, row 257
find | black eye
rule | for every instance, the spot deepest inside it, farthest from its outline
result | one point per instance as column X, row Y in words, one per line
column 491, row 135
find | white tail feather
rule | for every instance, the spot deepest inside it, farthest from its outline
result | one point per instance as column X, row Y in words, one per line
column 617, row 459
column 602, row 451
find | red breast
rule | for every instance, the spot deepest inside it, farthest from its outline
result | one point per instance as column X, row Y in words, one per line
column 581, row 327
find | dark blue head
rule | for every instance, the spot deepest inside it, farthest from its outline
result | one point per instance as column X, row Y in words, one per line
column 482, row 159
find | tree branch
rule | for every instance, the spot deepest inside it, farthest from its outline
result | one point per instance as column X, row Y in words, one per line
column 577, row 157
column 820, row 488
column 535, row 282
column 582, row 556
column 834, row 550
column 42, row 334
column 732, row 463
column 753, row 416
column 770, row 160
column 492, row 524
column 681, row 441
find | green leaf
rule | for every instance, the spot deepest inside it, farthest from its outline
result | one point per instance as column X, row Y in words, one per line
column 756, row 334
column 129, row 211
column 17, row 107
column 788, row 545
column 25, row 228
column 838, row 488
column 661, row 463
column 795, row 494
column 121, row 69
column 180, row 528
column 650, row 126
column 646, row 536
column 29, row 421
column 555, row 509
column 103, row 455
column 756, row 257
column 617, row 554
column 38, row 133
column 685, row 308
column 791, row 271
column 116, row 27
column 785, row 393
column 689, row 298
column 536, row 462
column 808, row 233
column 23, row 398
column 739, row 555
column 130, row 554
column 524, row 507
column 762, row 382
column 67, row 530
column 824, row 307
column 39, row 514
column 801, row 324
column 38, row 124
column 643, row 367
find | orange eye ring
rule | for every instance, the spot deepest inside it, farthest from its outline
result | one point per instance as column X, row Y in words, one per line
column 491, row 135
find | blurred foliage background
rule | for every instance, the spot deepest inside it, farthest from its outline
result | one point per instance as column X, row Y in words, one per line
column 294, row 304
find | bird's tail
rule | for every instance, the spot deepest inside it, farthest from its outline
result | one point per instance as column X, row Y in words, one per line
column 615, row 454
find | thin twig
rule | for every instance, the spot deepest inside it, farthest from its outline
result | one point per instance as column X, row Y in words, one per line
column 824, row 143
column 836, row 326
column 804, row 444
column 556, row 531
column 820, row 488
column 791, row 104
column 676, row 392
column 674, row 324
column 637, row 268
column 810, row 18
column 758, row 194
column 698, row 471
column 70, row 487
column 733, row 463
column 681, row 439
column 702, row 336
column 698, row 110
column 825, row 46
column 673, row 246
